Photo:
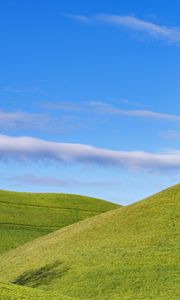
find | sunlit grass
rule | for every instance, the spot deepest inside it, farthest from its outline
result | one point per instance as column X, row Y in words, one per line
column 130, row 253
column 26, row 216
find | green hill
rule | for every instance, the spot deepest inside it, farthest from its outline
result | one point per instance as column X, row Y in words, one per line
column 131, row 253
column 14, row 292
column 26, row 216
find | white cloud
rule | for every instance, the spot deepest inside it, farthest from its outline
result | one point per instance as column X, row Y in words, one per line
column 153, row 30
column 28, row 148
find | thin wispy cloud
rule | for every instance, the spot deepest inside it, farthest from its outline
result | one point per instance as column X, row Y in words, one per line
column 100, row 107
column 33, row 180
column 171, row 135
column 79, row 18
column 14, row 116
column 17, row 120
column 64, row 106
column 147, row 114
column 25, row 121
column 155, row 31
column 32, row 149
column 134, row 103
column 19, row 90
column 107, row 108
column 20, row 120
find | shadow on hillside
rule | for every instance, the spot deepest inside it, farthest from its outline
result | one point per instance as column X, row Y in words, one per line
column 42, row 276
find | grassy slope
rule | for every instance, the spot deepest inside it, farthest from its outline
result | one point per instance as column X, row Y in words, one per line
column 26, row 216
column 128, row 253
column 14, row 292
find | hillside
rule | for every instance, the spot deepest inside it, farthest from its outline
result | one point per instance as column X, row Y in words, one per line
column 128, row 253
column 14, row 292
column 26, row 216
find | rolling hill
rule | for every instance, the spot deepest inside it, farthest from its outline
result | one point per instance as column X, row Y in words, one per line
column 130, row 253
column 26, row 216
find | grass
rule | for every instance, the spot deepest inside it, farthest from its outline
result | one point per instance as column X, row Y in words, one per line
column 13, row 292
column 130, row 253
column 26, row 216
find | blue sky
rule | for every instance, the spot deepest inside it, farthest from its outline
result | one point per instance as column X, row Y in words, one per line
column 89, row 97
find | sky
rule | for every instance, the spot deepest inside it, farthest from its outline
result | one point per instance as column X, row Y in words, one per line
column 89, row 97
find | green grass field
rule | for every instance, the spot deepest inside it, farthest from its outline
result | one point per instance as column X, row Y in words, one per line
column 130, row 253
column 14, row 292
column 26, row 216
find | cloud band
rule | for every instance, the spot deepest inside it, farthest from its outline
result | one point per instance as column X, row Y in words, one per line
column 28, row 149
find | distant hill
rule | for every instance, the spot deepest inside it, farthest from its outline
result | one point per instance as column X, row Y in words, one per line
column 26, row 216
column 130, row 253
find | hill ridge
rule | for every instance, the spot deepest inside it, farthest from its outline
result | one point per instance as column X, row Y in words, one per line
column 26, row 216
